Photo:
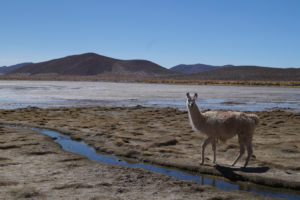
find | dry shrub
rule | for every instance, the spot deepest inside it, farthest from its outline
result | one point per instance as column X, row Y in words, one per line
column 27, row 192
column 119, row 142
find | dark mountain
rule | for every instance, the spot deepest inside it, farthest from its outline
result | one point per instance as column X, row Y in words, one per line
column 93, row 64
column 4, row 70
column 192, row 69
column 249, row 73
column 89, row 64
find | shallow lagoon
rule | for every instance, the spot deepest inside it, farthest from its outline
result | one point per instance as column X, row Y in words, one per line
column 15, row 94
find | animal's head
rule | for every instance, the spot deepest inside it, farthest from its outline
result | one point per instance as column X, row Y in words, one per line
column 190, row 101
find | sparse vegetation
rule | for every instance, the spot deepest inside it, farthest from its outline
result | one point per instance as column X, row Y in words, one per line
column 165, row 138
column 159, row 80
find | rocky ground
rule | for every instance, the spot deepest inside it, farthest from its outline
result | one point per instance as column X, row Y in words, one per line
column 157, row 135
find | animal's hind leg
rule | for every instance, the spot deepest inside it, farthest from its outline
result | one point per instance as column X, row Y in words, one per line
column 213, row 144
column 204, row 144
column 249, row 151
column 242, row 151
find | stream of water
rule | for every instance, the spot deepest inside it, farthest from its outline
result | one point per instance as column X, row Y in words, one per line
column 85, row 150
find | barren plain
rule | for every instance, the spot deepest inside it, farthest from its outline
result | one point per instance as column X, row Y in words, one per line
column 160, row 136
column 32, row 166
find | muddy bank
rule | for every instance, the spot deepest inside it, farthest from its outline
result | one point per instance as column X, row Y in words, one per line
column 163, row 136
column 32, row 166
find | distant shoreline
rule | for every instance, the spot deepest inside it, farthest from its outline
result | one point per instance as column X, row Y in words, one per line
column 158, row 80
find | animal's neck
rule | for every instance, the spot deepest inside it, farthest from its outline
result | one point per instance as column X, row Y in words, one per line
column 196, row 117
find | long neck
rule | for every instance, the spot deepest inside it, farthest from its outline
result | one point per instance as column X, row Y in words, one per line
column 195, row 117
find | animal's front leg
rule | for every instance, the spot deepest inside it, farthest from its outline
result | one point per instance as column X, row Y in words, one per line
column 242, row 150
column 214, row 147
column 204, row 144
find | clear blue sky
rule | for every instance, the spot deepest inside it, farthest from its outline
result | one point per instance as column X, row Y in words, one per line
column 167, row 32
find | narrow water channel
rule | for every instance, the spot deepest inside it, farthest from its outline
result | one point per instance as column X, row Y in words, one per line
column 83, row 149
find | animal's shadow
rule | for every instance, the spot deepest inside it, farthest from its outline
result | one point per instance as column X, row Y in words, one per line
column 230, row 173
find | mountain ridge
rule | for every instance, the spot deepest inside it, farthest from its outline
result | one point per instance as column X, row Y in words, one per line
column 6, row 69
column 247, row 73
column 193, row 68
column 89, row 64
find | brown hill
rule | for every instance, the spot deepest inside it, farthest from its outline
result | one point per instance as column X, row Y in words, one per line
column 89, row 64
column 246, row 73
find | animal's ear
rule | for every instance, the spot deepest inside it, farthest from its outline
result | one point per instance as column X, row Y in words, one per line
column 195, row 96
column 188, row 95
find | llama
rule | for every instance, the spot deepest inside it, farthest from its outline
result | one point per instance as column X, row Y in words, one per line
column 222, row 125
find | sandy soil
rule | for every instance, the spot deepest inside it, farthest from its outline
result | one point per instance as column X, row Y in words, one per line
column 163, row 136
column 32, row 166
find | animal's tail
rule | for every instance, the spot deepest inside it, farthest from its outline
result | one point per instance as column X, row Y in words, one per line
column 254, row 117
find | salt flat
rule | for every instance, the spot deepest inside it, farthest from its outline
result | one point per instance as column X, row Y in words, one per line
column 16, row 94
